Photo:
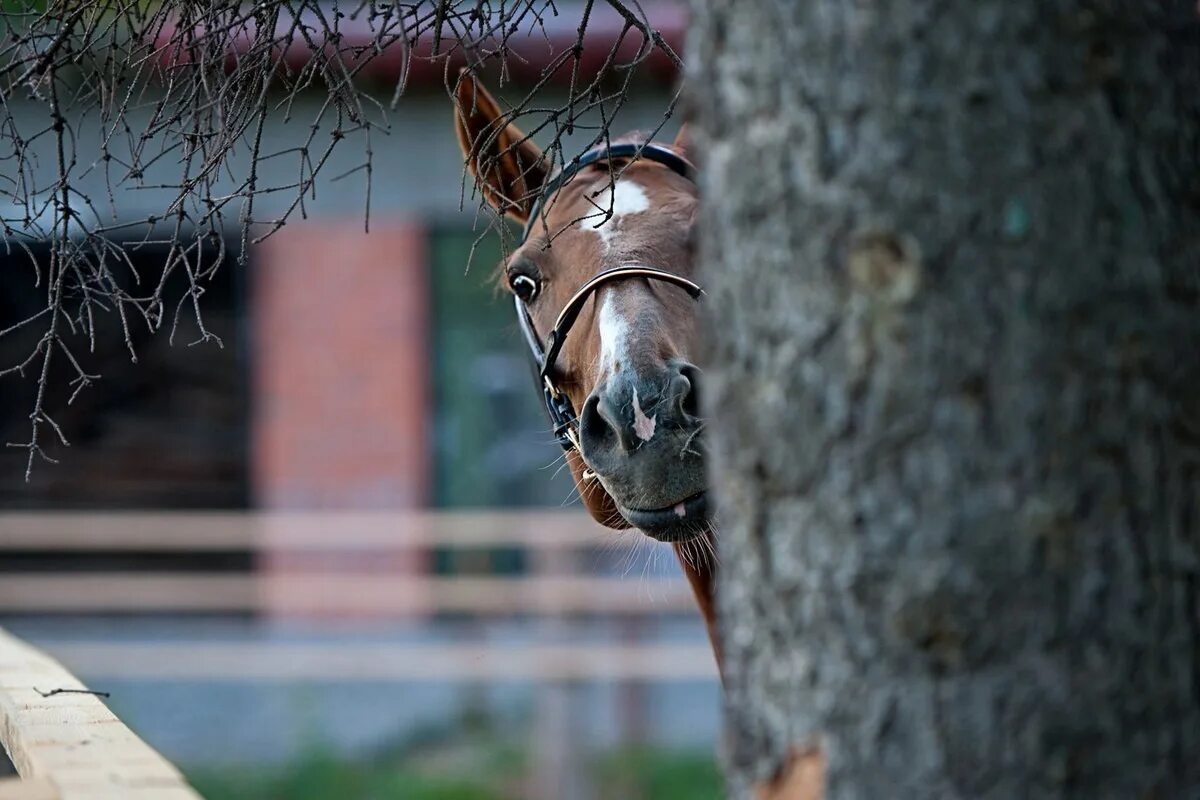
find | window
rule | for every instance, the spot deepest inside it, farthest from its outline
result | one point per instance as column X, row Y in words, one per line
column 492, row 439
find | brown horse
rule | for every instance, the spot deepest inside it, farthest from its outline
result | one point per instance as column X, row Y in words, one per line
column 634, row 450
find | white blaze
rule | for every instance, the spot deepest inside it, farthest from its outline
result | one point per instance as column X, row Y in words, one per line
column 643, row 426
column 614, row 349
column 627, row 198
column 614, row 333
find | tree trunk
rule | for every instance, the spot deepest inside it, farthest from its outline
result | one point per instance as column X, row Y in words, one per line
column 952, row 255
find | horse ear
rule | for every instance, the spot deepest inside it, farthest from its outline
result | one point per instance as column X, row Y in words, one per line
column 683, row 140
column 508, row 168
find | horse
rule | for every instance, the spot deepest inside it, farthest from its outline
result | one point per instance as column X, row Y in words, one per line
column 606, row 256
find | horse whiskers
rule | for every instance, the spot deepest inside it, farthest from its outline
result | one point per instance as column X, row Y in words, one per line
column 561, row 462
column 575, row 493
column 647, row 566
column 708, row 542
column 583, row 491
column 561, row 467
column 590, row 487
column 685, row 552
column 686, row 448
column 562, row 456
column 610, row 544
column 641, row 546
column 630, row 556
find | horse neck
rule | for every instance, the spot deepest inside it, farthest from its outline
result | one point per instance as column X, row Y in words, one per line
column 699, row 565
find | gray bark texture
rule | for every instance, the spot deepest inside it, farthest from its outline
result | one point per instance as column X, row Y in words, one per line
column 953, row 260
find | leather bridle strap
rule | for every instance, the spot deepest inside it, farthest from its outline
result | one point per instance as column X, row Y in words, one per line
column 570, row 312
column 558, row 405
column 651, row 152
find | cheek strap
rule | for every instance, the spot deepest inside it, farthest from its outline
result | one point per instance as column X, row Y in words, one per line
column 558, row 405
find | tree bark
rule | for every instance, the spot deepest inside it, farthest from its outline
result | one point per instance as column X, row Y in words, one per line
column 952, row 256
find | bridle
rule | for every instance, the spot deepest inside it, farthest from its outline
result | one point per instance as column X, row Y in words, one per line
column 558, row 404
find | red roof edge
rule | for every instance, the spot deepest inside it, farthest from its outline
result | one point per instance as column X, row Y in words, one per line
column 529, row 53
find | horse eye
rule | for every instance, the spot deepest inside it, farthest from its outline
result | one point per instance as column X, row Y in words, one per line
column 525, row 287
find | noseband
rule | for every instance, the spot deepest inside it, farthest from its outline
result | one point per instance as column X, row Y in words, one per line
column 558, row 405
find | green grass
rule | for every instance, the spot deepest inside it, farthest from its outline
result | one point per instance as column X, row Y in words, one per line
column 499, row 774
column 323, row 777
column 470, row 757
column 654, row 774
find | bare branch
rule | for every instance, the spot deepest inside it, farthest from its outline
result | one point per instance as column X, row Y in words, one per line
column 174, row 98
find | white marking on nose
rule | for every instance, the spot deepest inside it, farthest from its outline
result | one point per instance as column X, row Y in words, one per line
column 614, row 335
column 627, row 198
column 643, row 426
column 614, row 354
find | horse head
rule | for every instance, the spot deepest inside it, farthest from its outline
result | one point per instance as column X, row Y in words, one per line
column 607, row 258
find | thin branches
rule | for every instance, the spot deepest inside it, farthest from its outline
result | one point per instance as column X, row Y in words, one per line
column 172, row 102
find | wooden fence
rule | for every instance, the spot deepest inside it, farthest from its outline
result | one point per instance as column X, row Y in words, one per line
column 374, row 565
column 64, row 742
column 339, row 565
column 327, row 564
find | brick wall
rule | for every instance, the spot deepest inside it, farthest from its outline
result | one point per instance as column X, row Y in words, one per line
column 340, row 384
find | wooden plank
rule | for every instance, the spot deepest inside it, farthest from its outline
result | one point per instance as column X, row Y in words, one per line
column 108, row 592
column 21, row 789
column 333, row 593
column 71, row 740
column 314, row 531
column 311, row 594
column 343, row 661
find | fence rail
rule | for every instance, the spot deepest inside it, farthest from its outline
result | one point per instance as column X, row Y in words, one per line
column 319, row 594
column 338, row 531
column 315, row 564
column 341, row 662
column 67, row 745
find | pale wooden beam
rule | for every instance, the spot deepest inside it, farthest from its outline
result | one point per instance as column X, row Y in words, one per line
column 60, row 737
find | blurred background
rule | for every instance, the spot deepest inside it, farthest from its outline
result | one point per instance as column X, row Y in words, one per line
column 335, row 555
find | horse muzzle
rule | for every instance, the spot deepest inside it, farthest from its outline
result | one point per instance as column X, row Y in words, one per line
column 642, row 439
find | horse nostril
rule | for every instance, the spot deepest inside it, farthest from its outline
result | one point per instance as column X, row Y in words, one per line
column 593, row 427
column 686, row 389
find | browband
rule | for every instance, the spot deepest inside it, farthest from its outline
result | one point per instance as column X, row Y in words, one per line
column 651, row 152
